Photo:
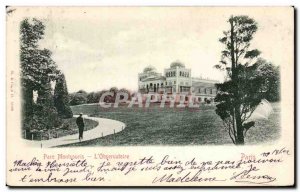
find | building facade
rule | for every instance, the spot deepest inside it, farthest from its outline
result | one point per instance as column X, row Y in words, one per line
column 176, row 79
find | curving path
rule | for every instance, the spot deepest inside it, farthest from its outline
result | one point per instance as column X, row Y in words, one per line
column 105, row 127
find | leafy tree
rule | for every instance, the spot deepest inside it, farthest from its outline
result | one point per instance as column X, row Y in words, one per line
column 111, row 99
column 30, row 34
column 45, row 111
column 98, row 95
column 126, row 91
column 61, row 98
column 94, row 97
column 37, row 72
column 240, row 94
column 271, row 77
column 90, row 97
column 78, row 98
column 82, row 92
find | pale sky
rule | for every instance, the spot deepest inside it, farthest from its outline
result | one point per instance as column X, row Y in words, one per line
column 98, row 48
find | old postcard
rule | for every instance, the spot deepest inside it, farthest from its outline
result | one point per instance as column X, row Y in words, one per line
column 150, row 96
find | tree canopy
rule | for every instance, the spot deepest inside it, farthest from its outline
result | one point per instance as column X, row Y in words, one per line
column 240, row 94
column 38, row 71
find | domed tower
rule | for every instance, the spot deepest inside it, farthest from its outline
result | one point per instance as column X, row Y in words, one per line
column 177, row 64
column 150, row 80
column 178, row 78
column 150, row 70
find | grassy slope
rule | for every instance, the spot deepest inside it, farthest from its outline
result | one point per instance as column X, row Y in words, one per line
column 173, row 126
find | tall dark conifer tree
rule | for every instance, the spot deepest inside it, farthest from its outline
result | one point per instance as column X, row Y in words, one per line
column 61, row 97
column 240, row 94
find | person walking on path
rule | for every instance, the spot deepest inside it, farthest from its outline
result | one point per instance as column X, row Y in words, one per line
column 80, row 124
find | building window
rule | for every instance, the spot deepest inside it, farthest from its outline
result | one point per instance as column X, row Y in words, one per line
column 174, row 82
column 211, row 91
column 199, row 90
column 205, row 90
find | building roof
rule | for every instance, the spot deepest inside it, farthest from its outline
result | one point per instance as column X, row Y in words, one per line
column 154, row 78
column 200, row 80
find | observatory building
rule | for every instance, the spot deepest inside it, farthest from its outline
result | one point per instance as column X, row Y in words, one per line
column 176, row 79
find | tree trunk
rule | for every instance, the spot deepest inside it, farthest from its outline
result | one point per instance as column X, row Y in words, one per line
column 27, row 104
column 239, row 127
column 233, row 64
column 237, row 111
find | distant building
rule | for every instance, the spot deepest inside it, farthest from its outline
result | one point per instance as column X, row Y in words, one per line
column 176, row 79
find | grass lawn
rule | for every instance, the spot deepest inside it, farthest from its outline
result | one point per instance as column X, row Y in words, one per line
column 174, row 126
